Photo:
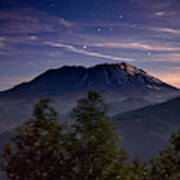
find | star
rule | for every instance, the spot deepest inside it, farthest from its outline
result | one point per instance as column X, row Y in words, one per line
column 111, row 29
column 149, row 53
column 160, row 13
column 121, row 17
column 33, row 38
column 84, row 47
column 98, row 29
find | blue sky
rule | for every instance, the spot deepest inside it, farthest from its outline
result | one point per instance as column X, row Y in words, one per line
column 39, row 35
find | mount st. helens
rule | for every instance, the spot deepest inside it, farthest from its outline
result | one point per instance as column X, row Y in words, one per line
column 123, row 80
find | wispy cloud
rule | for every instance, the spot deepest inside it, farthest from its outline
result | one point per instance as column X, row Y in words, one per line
column 87, row 53
column 9, row 82
column 170, row 57
column 136, row 45
column 170, row 77
column 2, row 38
column 31, row 21
column 168, row 30
column 2, row 42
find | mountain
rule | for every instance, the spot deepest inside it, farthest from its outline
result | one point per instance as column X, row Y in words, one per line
column 149, row 128
column 113, row 80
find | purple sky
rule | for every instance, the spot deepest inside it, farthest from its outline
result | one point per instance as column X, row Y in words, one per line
column 39, row 35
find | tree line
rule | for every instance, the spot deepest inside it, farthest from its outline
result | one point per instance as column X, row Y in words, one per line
column 87, row 149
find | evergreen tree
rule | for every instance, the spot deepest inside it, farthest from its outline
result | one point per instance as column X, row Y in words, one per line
column 135, row 170
column 167, row 165
column 98, row 146
column 39, row 148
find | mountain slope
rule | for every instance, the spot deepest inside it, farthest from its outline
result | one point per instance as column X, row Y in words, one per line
column 167, row 112
column 149, row 128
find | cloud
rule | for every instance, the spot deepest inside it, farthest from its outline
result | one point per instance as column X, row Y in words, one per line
column 2, row 38
column 64, row 22
column 10, row 82
column 31, row 21
column 87, row 53
column 168, row 30
column 170, row 57
column 136, row 45
column 170, row 77
column 2, row 42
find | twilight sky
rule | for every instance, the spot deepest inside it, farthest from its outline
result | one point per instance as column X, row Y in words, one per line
column 38, row 35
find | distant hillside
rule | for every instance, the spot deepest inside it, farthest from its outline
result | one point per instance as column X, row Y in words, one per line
column 167, row 112
column 150, row 127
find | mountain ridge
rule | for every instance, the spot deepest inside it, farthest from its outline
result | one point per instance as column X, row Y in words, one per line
column 120, row 78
